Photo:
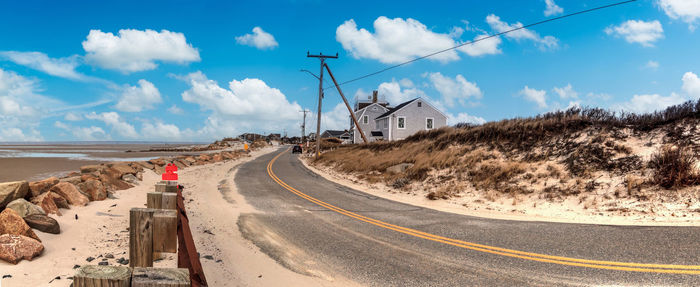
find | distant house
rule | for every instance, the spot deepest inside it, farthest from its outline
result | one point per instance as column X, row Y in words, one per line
column 408, row 118
column 366, row 113
column 341, row 135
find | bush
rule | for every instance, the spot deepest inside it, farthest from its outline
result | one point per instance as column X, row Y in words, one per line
column 674, row 167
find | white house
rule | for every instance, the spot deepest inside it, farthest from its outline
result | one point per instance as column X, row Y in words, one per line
column 408, row 118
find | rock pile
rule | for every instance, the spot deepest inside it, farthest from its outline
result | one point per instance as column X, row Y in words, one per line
column 26, row 205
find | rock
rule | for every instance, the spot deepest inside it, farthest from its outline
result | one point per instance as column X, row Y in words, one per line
column 124, row 168
column 91, row 168
column 203, row 157
column 14, row 248
column 70, row 193
column 190, row 160
column 109, row 256
column 217, row 157
column 60, row 201
column 46, row 202
column 111, row 178
column 399, row 168
column 39, row 187
column 179, row 164
column 157, row 161
column 93, row 189
column 104, row 263
column 130, row 178
column 73, row 173
column 43, row 223
column 10, row 191
column 12, row 223
column 145, row 164
column 73, row 179
column 89, row 259
column 139, row 175
column 24, row 208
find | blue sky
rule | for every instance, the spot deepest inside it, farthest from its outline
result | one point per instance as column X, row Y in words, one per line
column 193, row 71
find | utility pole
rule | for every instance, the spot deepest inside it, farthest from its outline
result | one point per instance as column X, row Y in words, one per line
column 352, row 114
column 303, row 126
column 320, row 98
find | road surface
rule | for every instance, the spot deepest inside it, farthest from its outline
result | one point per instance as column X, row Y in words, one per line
column 317, row 227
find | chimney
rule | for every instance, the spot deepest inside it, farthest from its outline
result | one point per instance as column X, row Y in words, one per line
column 374, row 96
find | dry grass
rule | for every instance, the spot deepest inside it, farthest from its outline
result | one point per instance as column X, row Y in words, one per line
column 674, row 167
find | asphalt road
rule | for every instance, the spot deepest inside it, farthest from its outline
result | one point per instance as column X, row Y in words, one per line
column 316, row 227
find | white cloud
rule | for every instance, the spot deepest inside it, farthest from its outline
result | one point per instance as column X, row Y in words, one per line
column 394, row 41
column 691, row 85
column 536, row 96
column 464, row 118
column 638, row 31
column 544, row 43
column 175, row 110
column 72, row 117
column 247, row 105
column 650, row 103
column 61, row 67
column 135, row 50
column 395, row 93
column 687, row 11
column 161, row 131
column 336, row 119
column 259, row 39
column 113, row 120
column 483, row 47
column 457, row 90
column 91, row 133
column 138, row 98
column 652, row 65
column 552, row 8
column 566, row 92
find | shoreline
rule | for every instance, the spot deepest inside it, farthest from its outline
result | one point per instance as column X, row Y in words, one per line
column 485, row 211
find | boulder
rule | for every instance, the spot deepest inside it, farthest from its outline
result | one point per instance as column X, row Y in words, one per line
column 157, row 161
column 124, row 168
column 10, row 191
column 85, row 177
column 12, row 223
column 91, row 168
column 179, row 164
column 47, row 203
column 399, row 168
column 24, row 208
column 39, row 187
column 72, row 179
column 70, row 193
column 139, row 175
column 14, row 248
column 43, row 223
column 217, row 157
column 203, row 157
column 145, row 164
column 190, row 160
column 111, row 178
column 131, row 179
column 228, row 155
column 93, row 189
column 73, row 173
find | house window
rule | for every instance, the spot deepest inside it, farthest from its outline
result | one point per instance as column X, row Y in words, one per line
column 429, row 123
column 365, row 119
column 401, row 122
column 420, row 104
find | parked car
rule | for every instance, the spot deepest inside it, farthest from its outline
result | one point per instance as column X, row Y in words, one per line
column 296, row 149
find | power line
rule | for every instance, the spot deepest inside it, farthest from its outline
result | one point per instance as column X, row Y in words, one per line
column 482, row 39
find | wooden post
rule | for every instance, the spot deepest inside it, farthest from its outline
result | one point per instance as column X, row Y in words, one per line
column 169, row 201
column 102, row 275
column 154, row 200
column 165, row 231
column 160, row 277
column 166, row 186
column 141, row 237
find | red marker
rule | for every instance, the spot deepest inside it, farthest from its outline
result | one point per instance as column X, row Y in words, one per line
column 170, row 172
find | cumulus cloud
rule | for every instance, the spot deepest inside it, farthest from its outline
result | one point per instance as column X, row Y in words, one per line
column 174, row 109
column 394, row 41
column 457, row 90
column 22, row 107
column 544, row 43
column 482, row 47
column 246, row 105
column 566, row 92
column 464, row 118
column 161, row 131
column 59, row 67
column 652, row 65
column 135, row 50
column 691, row 85
column 259, row 39
column 138, row 98
column 91, row 133
column 638, row 31
column 652, row 102
column 534, row 95
column 687, row 11
column 552, row 8
column 395, row 93
column 113, row 120
column 72, row 117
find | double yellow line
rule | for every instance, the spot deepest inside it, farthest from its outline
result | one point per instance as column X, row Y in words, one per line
column 598, row 264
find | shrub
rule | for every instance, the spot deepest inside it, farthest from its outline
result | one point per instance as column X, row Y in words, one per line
column 674, row 167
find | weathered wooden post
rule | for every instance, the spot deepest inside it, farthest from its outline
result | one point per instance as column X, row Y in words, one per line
column 141, row 237
column 154, row 200
column 102, row 275
column 166, row 186
column 165, row 231
column 169, row 201
column 160, row 277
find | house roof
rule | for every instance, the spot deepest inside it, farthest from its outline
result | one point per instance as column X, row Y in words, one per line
column 396, row 108
column 333, row 133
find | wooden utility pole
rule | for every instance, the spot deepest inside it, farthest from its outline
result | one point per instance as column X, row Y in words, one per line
column 320, row 98
column 352, row 114
column 303, row 126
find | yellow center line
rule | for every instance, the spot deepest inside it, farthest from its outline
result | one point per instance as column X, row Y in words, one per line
column 598, row 264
